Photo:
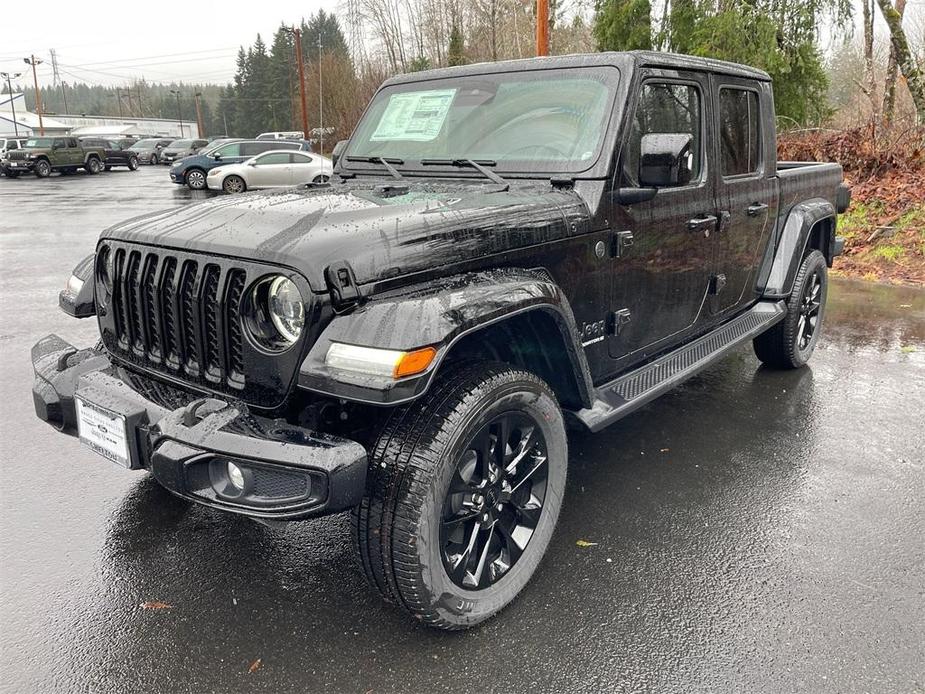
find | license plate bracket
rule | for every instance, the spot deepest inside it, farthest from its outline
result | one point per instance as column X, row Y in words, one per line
column 104, row 431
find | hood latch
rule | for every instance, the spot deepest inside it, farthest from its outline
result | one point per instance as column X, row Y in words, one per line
column 342, row 284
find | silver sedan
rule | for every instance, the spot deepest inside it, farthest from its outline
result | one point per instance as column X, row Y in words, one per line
column 273, row 169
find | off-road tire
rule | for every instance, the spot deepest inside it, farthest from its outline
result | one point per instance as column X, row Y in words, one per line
column 396, row 528
column 780, row 347
column 133, row 163
column 94, row 165
column 42, row 168
column 196, row 179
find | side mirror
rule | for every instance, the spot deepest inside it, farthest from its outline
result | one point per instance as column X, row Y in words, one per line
column 338, row 149
column 665, row 160
column 252, row 163
column 217, row 157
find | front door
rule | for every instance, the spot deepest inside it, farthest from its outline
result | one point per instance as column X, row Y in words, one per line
column 272, row 169
column 661, row 280
column 746, row 190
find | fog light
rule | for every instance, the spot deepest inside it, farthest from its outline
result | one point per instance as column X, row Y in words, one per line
column 235, row 476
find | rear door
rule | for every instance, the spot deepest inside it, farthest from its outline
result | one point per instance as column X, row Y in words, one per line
column 746, row 188
column 664, row 246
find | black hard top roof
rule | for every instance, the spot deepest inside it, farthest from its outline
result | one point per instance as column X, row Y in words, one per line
column 627, row 59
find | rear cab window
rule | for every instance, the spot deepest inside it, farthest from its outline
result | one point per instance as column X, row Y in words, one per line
column 739, row 132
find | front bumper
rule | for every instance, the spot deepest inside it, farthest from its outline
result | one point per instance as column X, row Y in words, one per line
column 178, row 177
column 22, row 165
column 187, row 442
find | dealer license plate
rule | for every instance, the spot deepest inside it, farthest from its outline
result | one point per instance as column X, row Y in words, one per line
column 103, row 431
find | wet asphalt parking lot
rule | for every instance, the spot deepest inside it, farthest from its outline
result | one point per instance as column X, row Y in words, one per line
column 753, row 530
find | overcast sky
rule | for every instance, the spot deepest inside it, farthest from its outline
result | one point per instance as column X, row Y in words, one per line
column 189, row 40
column 102, row 42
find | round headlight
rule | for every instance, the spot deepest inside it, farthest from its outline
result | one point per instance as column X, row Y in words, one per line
column 287, row 312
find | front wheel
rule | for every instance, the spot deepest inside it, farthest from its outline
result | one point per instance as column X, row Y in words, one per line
column 133, row 164
column 153, row 159
column 463, row 495
column 790, row 343
column 234, row 184
column 196, row 179
column 42, row 168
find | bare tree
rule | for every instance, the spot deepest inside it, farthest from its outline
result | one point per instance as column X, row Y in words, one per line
column 915, row 79
column 892, row 73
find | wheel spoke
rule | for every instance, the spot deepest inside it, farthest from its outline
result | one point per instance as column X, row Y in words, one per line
column 480, row 567
column 538, row 463
column 460, row 486
column 529, row 514
column 453, row 521
column 461, row 566
column 504, row 436
column 485, row 452
column 514, row 549
column 526, row 443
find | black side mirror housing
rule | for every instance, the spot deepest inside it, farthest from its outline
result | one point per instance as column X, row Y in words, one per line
column 338, row 149
column 664, row 160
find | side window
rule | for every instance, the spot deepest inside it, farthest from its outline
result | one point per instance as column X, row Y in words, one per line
column 287, row 145
column 72, row 142
column 249, row 149
column 665, row 108
column 297, row 158
column 738, row 131
column 274, row 158
column 232, row 150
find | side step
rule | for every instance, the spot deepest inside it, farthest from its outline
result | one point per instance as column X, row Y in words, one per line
column 632, row 390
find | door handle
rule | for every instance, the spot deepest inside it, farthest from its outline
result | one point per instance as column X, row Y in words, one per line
column 705, row 223
column 756, row 208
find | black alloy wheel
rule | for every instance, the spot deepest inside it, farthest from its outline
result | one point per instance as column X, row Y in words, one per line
column 42, row 168
column 790, row 343
column 494, row 501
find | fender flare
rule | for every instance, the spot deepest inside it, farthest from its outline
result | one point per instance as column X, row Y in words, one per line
column 439, row 314
column 81, row 304
column 793, row 241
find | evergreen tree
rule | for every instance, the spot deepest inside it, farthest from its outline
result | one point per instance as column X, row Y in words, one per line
column 455, row 53
column 623, row 25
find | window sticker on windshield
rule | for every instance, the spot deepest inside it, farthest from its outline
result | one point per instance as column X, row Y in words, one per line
column 416, row 116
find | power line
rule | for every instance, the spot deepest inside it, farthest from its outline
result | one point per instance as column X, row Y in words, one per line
column 163, row 55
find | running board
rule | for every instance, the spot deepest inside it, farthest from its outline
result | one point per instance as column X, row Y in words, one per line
column 632, row 390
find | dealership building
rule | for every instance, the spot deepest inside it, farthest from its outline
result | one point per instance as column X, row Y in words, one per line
column 26, row 123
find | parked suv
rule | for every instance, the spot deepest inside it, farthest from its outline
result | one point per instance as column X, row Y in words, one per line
column 503, row 247
column 118, row 152
column 42, row 155
column 193, row 171
column 149, row 149
column 8, row 144
column 178, row 149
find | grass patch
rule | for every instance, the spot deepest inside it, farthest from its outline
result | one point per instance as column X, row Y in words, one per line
column 891, row 252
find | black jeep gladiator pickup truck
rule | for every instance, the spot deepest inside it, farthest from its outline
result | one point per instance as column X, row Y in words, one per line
column 504, row 248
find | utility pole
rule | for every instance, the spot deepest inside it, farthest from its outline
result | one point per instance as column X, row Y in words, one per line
column 301, row 65
column 8, row 77
column 179, row 117
column 56, row 76
column 119, row 99
column 33, row 61
column 320, row 101
column 202, row 130
column 542, row 28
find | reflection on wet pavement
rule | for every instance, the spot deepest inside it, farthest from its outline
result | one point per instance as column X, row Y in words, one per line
column 755, row 530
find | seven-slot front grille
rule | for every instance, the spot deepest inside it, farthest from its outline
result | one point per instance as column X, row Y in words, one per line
column 179, row 314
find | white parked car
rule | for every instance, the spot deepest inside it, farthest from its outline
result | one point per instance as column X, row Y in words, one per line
column 273, row 169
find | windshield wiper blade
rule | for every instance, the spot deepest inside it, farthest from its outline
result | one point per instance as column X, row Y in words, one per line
column 479, row 166
column 387, row 163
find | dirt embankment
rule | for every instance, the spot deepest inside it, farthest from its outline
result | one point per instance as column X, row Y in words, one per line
column 884, row 228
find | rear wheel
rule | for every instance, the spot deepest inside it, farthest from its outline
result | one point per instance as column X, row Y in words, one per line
column 153, row 159
column 321, row 178
column 94, row 165
column 463, row 495
column 234, row 184
column 790, row 343
column 133, row 164
column 42, row 168
column 196, row 179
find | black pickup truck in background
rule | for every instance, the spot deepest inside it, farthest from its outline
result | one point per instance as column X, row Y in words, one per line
column 118, row 151
column 504, row 247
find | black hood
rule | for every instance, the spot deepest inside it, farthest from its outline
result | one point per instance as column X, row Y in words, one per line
column 383, row 230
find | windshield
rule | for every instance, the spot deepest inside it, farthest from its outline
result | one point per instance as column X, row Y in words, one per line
column 181, row 144
column 39, row 142
column 145, row 144
column 542, row 120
